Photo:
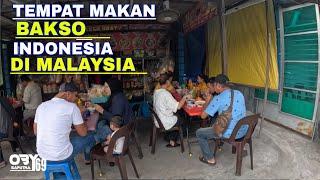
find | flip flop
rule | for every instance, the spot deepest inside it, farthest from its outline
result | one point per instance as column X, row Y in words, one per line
column 170, row 146
column 203, row 160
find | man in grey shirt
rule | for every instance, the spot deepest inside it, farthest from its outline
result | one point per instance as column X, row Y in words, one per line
column 32, row 97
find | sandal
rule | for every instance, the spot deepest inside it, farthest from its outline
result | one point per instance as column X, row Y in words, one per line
column 203, row 160
column 170, row 146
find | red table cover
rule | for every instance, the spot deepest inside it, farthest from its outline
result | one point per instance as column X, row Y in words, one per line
column 193, row 111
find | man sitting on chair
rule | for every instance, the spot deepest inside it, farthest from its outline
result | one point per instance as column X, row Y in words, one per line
column 53, row 123
column 165, row 106
column 221, row 103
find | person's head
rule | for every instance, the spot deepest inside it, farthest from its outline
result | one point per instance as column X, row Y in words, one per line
column 202, row 78
column 164, row 80
column 170, row 74
column 71, row 92
column 68, row 78
column 116, row 122
column 221, row 83
column 25, row 80
column 211, row 85
column 115, row 85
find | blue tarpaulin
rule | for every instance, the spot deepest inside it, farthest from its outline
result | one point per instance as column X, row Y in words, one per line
column 195, row 52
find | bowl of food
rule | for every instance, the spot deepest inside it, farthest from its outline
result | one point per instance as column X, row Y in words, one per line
column 200, row 102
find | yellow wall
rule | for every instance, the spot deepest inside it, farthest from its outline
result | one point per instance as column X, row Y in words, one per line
column 247, row 47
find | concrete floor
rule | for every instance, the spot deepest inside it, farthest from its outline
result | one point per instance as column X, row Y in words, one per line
column 278, row 154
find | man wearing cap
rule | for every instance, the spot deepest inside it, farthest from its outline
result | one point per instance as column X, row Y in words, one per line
column 52, row 125
column 221, row 103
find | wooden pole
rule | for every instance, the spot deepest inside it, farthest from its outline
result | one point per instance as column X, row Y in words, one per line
column 266, row 88
column 224, row 50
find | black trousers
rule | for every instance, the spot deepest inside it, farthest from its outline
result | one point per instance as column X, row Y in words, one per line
column 173, row 135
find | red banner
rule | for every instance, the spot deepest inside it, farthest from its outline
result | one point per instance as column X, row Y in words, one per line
column 198, row 16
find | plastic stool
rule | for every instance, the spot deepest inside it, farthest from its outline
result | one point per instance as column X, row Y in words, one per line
column 68, row 167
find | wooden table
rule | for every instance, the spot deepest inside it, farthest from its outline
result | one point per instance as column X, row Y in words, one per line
column 191, row 112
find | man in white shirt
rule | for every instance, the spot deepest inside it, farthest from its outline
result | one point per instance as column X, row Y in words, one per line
column 32, row 97
column 165, row 106
column 52, row 125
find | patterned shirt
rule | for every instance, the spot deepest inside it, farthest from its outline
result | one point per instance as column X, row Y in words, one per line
column 221, row 102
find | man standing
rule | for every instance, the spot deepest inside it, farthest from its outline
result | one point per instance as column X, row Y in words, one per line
column 221, row 103
column 52, row 125
column 165, row 106
column 32, row 97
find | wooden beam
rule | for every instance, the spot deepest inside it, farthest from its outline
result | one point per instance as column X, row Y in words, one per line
column 268, row 61
column 222, row 22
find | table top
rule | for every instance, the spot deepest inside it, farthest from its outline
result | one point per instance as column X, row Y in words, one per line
column 193, row 111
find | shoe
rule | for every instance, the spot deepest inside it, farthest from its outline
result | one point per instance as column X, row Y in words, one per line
column 203, row 160
column 170, row 146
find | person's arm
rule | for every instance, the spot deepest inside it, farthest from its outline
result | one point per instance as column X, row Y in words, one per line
column 36, row 119
column 27, row 95
column 117, row 108
column 81, row 129
column 211, row 109
column 78, row 123
column 35, row 128
column 182, row 102
column 208, row 99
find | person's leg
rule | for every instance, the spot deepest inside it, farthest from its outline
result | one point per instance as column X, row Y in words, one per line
column 203, row 135
column 2, row 162
column 101, row 123
column 61, row 175
column 28, row 113
column 173, row 135
column 101, row 133
column 27, row 123
column 82, row 144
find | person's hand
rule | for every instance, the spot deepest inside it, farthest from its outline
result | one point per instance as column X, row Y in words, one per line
column 208, row 97
column 15, row 125
column 188, row 96
column 99, row 108
column 108, row 139
column 82, row 109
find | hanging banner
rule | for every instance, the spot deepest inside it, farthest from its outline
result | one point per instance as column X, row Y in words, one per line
column 198, row 16
column 127, row 27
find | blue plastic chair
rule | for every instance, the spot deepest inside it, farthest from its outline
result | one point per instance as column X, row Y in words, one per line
column 69, row 168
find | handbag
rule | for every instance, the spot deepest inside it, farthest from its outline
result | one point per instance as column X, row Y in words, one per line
column 223, row 119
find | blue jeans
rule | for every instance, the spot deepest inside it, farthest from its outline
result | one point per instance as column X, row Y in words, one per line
column 102, row 131
column 84, row 144
column 203, row 135
column 81, row 144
